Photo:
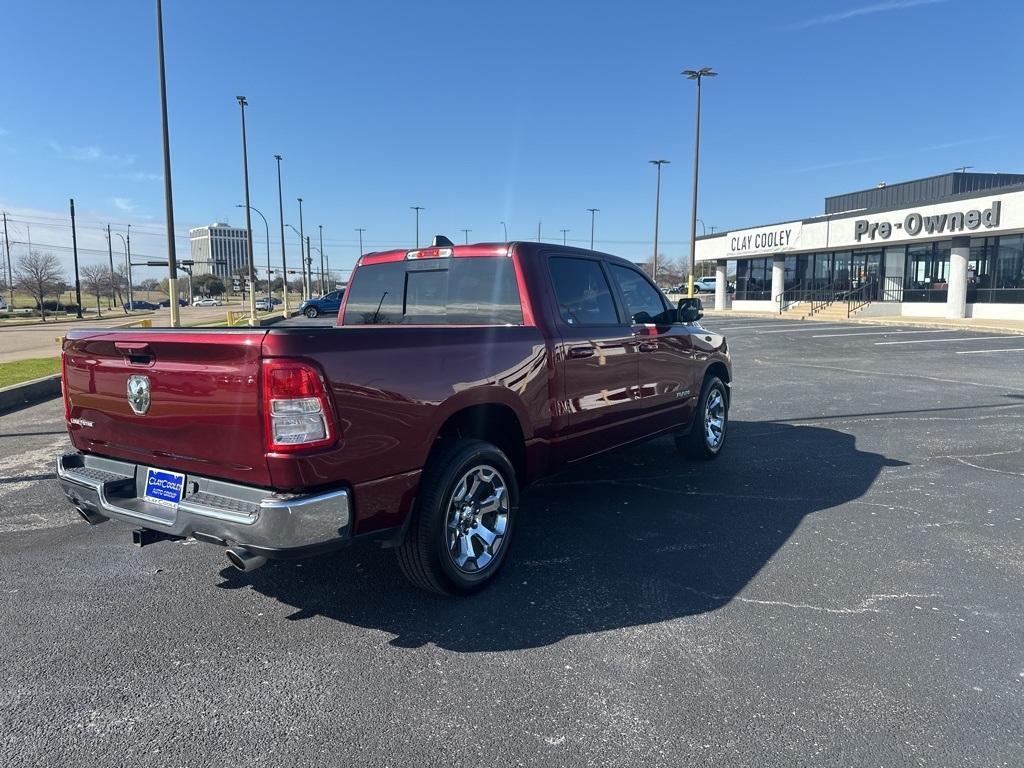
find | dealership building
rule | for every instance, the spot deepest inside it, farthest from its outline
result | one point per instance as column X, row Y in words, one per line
column 944, row 246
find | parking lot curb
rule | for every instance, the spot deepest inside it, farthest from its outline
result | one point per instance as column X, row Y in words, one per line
column 29, row 393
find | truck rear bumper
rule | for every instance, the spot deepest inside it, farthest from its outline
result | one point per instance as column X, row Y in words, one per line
column 272, row 524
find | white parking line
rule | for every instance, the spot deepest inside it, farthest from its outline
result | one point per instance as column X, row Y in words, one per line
column 874, row 333
column 772, row 323
column 936, row 341
column 990, row 351
column 819, row 328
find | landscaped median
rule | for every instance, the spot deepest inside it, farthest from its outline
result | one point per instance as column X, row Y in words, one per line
column 23, row 382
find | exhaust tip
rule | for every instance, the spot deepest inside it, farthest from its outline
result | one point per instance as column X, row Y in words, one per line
column 92, row 518
column 244, row 560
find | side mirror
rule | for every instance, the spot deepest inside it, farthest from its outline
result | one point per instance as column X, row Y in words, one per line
column 690, row 310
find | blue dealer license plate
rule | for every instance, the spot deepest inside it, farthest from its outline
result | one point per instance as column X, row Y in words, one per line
column 164, row 487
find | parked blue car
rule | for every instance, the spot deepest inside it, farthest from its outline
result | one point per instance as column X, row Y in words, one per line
column 328, row 304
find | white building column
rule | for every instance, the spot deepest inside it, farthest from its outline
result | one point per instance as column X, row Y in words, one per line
column 721, row 284
column 778, row 277
column 956, row 298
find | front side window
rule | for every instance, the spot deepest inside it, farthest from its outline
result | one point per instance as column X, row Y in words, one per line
column 582, row 291
column 643, row 301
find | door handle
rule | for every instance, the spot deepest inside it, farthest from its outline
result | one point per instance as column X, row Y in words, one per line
column 578, row 353
column 648, row 346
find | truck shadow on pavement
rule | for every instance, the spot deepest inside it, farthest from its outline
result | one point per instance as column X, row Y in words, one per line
column 631, row 538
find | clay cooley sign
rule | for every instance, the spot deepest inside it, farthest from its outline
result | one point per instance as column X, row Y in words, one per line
column 915, row 224
column 782, row 237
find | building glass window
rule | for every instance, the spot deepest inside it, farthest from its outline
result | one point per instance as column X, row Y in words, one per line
column 753, row 279
column 822, row 269
column 841, row 276
column 790, row 277
column 805, row 270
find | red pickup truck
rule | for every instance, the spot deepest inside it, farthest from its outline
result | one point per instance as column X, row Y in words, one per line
column 455, row 376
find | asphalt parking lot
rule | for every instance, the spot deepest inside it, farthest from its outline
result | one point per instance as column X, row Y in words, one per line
column 843, row 587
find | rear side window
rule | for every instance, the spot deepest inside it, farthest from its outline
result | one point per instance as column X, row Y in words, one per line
column 453, row 291
column 643, row 300
column 584, row 297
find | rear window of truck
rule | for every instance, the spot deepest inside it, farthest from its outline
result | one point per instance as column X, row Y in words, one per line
column 452, row 291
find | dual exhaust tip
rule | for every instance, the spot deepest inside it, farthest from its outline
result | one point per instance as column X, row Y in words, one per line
column 245, row 560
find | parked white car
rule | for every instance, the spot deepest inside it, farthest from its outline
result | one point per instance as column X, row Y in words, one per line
column 206, row 301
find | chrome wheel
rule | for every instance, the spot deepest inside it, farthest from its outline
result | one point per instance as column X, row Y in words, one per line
column 714, row 419
column 477, row 518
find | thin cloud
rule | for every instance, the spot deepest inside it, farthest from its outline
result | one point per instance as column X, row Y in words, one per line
column 3, row 131
column 124, row 204
column 864, row 10
column 89, row 154
column 889, row 156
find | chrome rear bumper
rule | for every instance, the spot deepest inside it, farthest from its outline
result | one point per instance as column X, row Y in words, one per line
column 210, row 510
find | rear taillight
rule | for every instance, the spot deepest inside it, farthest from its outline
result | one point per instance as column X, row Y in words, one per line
column 297, row 415
column 64, row 385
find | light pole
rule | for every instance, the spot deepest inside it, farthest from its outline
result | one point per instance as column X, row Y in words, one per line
column 703, row 229
column 284, row 257
column 695, row 74
column 466, row 233
column 360, row 230
column 563, row 231
column 242, row 103
column 128, row 266
column 270, row 304
column 592, row 212
column 74, row 249
column 538, row 231
column 172, row 257
column 417, row 208
column 110, row 255
column 504, row 229
column 657, row 212
column 307, row 288
column 321, row 227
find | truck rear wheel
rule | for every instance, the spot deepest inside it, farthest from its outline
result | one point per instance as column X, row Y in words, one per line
column 461, row 528
column 706, row 437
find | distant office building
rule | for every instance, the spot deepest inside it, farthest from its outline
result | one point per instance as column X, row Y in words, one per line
column 218, row 249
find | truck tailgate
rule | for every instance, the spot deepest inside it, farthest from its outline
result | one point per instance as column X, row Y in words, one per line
column 203, row 416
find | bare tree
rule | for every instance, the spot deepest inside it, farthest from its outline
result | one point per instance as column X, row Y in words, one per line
column 38, row 274
column 94, row 281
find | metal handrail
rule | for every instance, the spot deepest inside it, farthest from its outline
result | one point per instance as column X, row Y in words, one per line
column 859, row 297
column 789, row 297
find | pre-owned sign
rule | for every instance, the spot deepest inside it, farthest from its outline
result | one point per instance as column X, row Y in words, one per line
column 915, row 224
column 776, row 239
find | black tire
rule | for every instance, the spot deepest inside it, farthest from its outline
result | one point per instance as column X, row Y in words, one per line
column 311, row 312
column 696, row 444
column 425, row 555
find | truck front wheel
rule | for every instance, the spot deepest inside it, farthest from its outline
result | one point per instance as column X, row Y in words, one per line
column 462, row 525
column 706, row 437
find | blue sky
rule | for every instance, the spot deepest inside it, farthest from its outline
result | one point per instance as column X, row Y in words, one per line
column 483, row 112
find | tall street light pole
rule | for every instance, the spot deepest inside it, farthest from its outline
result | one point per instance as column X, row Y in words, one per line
column 360, row 230
column 417, row 208
column 307, row 288
column 284, row 257
column 128, row 267
column 695, row 74
column 504, row 228
column 242, row 103
column 74, row 249
column 266, row 227
column 657, row 212
column 110, row 255
column 172, row 257
column 592, row 212
column 321, row 228
column 563, row 231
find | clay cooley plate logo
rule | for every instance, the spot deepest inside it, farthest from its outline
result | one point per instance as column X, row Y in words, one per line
column 914, row 223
